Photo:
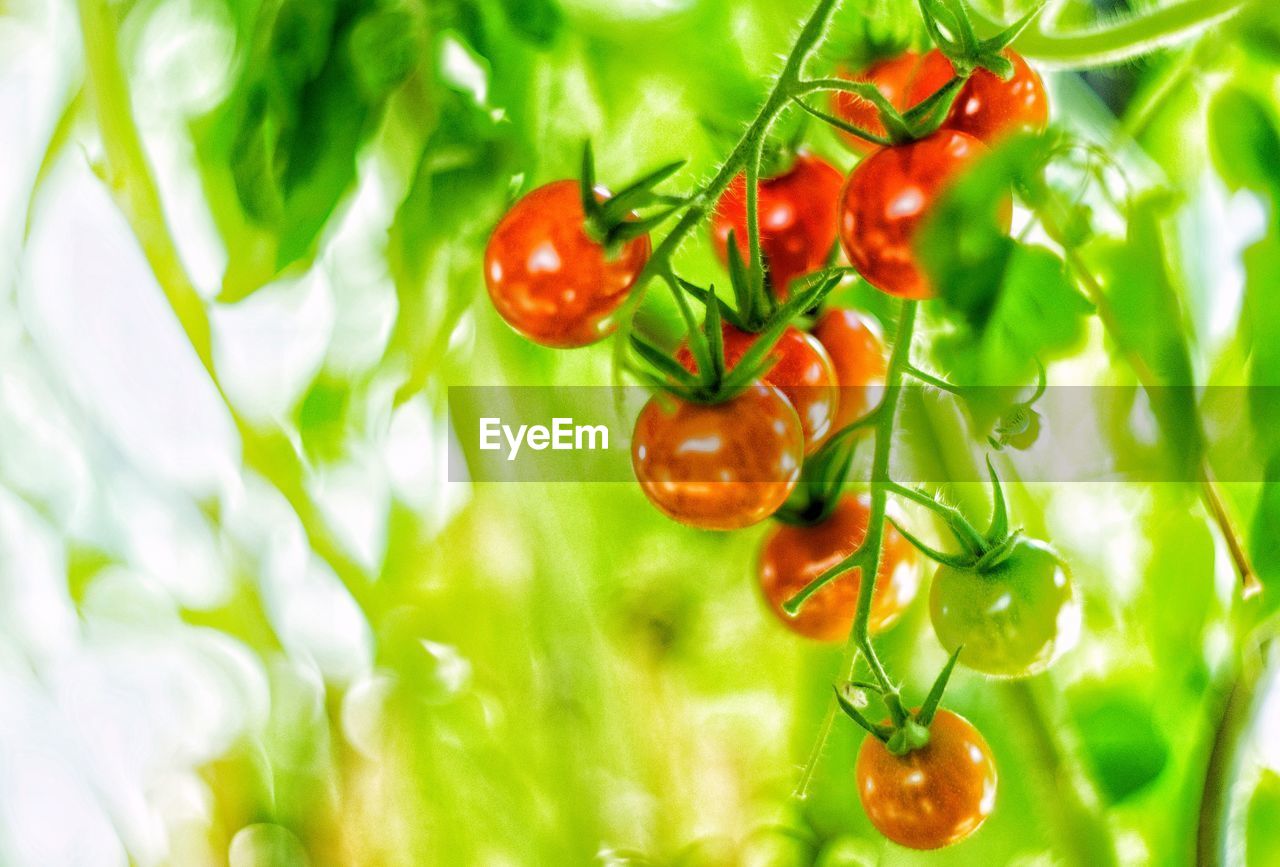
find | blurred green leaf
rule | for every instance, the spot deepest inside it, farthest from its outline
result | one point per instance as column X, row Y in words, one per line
column 1243, row 139
column 1262, row 829
column 1125, row 750
column 1148, row 326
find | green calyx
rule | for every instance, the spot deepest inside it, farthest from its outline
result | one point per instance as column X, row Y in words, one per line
column 919, row 122
column 981, row 551
column 714, row 380
column 949, row 25
column 905, row 732
column 611, row 222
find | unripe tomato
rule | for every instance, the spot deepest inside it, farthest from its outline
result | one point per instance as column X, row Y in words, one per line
column 551, row 282
column 987, row 107
column 803, row 373
column 793, row 556
column 719, row 466
column 895, row 77
column 1014, row 619
column 934, row 796
column 857, row 352
column 888, row 195
column 797, row 213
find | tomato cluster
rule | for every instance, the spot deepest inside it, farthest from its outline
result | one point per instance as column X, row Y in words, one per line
column 727, row 458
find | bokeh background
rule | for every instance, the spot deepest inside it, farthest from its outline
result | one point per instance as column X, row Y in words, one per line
column 244, row 618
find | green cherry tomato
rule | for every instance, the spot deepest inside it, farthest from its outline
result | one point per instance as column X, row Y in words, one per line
column 1012, row 619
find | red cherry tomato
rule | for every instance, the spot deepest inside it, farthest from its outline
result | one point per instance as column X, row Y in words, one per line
column 793, row 556
column 547, row 279
column 803, row 373
column 797, row 212
column 987, row 108
column 934, row 796
column 885, row 199
column 895, row 77
column 721, row 466
column 857, row 351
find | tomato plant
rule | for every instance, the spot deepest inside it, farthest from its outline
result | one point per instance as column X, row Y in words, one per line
column 988, row 107
column 857, row 353
column 895, row 78
column 797, row 218
column 722, row 466
column 435, row 556
column 548, row 279
column 801, row 369
column 1010, row 619
column 931, row 797
column 887, row 196
column 793, row 556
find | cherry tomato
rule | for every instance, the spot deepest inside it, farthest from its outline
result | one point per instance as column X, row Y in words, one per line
column 885, row 199
column 895, row 77
column 551, row 282
column 797, row 212
column 803, row 373
column 1014, row 619
column 934, row 796
column 721, row 466
column 793, row 556
column 987, row 107
column 857, row 352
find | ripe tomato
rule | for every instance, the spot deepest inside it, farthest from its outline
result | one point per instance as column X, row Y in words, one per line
column 547, row 279
column 934, row 796
column 721, row 466
column 895, row 77
column 857, row 352
column 885, row 199
column 793, row 556
column 797, row 213
column 803, row 373
column 987, row 107
column 1014, row 619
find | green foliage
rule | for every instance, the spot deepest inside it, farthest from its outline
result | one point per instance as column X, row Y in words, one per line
column 1010, row 303
column 1125, row 749
column 311, row 89
column 1149, row 329
column 1262, row 833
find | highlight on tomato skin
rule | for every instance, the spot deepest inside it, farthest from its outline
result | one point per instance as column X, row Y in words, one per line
column 858, row 355
column 803, row 372
column 887, row 197
column 718, row 466
column 797, row 216
column 548, row 279
column 987, row 107
column 792, row 556
column 934, row 796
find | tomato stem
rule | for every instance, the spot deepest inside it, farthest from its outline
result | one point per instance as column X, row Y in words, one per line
column 699, row 204
column 1119, row 40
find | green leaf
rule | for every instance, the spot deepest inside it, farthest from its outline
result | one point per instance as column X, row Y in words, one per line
column 322, row 419
column 1148, row 325
column 384, row 46
column 1124, row 748
column 1262, row 826
column 538, row 21
column 1243, row 139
